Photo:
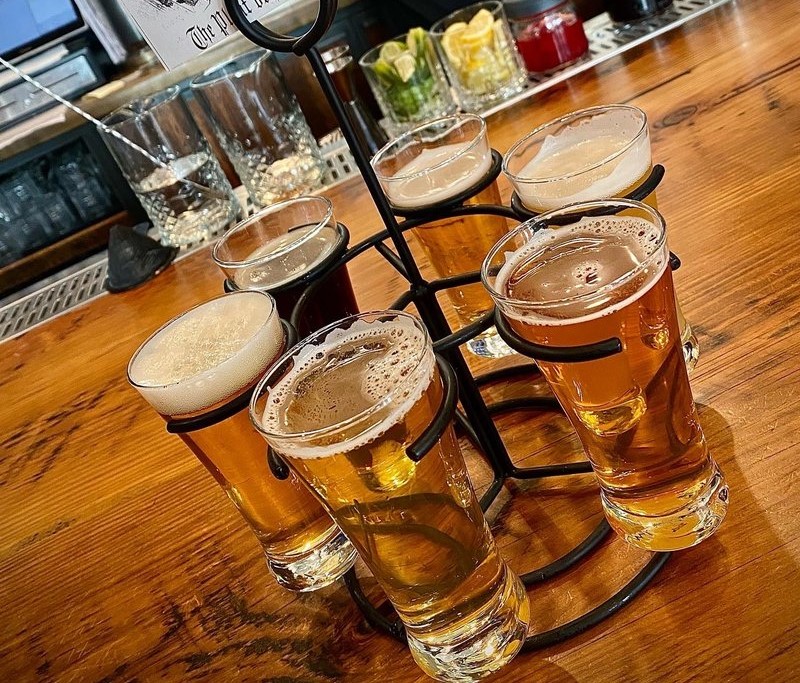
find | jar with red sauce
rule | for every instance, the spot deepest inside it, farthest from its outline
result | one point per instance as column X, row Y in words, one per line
column 549, row 33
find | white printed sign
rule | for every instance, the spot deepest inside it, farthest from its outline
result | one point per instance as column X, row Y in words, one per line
column 178, row 30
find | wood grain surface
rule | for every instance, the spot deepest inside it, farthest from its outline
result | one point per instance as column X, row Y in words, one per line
column 121, row 560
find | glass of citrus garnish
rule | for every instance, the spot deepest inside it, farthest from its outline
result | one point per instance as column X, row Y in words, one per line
column 479, row 55
column 407, row 79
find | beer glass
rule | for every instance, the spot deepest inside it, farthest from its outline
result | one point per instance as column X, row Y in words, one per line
column 198, row 373
column 283, row 248
column 435, row 163
column 596, row 153
column 565, row 281
column 188, row 198
column 342, row 407
column 261, row 127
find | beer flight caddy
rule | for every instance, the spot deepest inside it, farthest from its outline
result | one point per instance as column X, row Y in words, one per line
column 359, row 414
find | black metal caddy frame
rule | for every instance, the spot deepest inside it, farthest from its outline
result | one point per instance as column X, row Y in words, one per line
column 474, row 417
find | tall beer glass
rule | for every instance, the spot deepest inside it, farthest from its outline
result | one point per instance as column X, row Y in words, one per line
column 566, row 281
column 198, row 372
column 596, row 153
column 341, row 408
column 285, row 247
column 434, row 163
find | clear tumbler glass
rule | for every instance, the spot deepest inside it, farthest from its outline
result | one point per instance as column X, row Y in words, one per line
column 186, row 195
column 261, row 127
column 479, row 55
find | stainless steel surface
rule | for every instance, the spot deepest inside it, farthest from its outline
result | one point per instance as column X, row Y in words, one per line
column 83, row 282
column 67, row 78
column 51, row 300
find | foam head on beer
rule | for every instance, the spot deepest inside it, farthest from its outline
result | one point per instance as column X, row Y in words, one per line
column 581, row 271
column 434, row 162
column 367, row 377
column 207, row 354
column 595, row 153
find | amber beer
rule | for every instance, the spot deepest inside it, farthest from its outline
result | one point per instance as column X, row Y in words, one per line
column 458, row 245
column 563, row 283
column 431, row 165
column 595, row 153
column 342, row 408
column 207, row 360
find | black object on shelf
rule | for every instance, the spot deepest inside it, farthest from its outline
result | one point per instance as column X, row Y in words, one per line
column 134, row 258
column 476, row 418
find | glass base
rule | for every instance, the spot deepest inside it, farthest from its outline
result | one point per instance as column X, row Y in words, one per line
column 682, row 529
column 489, row 344
column 487, row 644
column 327, row 561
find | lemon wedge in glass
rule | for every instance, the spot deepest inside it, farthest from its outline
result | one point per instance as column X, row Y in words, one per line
column 451, row 43
column 391, row 51
column 479, row 31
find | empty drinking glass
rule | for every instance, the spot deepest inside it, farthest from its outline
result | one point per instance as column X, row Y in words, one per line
column 179, row 182
column 261, row 127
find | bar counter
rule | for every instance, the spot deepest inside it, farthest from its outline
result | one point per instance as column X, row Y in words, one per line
column 121, row 559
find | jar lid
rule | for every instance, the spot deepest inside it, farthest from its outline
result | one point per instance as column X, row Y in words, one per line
column 517, row 9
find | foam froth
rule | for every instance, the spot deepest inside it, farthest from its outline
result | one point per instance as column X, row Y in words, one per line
column 438, row 174
column 582, row 271
column 562, row 171
column 207, row 354
column 343, row 380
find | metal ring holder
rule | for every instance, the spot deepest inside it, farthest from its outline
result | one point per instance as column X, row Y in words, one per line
column 475, row 416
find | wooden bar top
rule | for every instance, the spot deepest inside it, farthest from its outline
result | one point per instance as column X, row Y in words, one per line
column 121, row 560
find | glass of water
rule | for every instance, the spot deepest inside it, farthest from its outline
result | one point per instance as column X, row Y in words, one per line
column 261, row 127
column 179, row 182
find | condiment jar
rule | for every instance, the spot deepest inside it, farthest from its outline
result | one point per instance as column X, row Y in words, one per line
column 549, row 33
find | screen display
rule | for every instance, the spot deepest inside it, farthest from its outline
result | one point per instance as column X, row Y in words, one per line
column 26, row 23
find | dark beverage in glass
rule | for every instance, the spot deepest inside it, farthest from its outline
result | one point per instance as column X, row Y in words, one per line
column 627, row 11
column 285, row 248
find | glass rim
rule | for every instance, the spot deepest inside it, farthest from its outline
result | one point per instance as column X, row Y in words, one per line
column 407, row 137
column 319, row 335
column 522, row 180
column 242, row 225
column 438, row 27
column 170, row 94
column 208, row 76
column 578, row 209
column 162, row 385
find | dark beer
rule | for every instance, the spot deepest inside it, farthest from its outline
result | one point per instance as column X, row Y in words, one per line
column 285, row 248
